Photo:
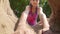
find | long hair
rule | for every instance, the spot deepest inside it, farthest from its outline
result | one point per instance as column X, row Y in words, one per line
column 32, row 6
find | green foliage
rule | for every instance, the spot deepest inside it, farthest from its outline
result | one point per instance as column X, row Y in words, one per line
column 47, row 9
column 19, row 5
column 42, row 2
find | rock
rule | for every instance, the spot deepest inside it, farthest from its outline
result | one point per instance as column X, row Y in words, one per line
column 7, row 18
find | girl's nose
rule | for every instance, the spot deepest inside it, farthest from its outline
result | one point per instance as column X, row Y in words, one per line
column 34, row 0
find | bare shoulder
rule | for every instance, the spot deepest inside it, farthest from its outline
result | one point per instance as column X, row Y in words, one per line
column 26, row 11
column 40, row 7
column 40, row 10
column 27, row 7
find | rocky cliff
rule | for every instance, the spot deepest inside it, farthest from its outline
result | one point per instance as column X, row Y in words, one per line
column 7, row 18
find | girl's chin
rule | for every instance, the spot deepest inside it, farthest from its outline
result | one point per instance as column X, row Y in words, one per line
column 34, row 6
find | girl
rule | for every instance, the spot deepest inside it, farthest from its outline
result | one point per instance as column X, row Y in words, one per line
column 32, row 11
column 29, row 16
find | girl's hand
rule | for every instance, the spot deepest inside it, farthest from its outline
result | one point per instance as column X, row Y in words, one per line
column 40, row 23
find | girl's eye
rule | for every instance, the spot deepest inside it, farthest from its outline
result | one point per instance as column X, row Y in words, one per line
column 36, row 0
column 33, row 0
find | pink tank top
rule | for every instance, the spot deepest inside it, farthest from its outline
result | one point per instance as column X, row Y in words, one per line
column 32, row 18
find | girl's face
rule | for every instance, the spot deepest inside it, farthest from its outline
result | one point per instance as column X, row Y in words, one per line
column 34, row 2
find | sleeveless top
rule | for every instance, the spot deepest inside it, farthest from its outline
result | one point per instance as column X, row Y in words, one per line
column 32, row 17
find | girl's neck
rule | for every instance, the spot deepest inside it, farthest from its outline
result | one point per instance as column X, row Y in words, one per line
column 33, row 9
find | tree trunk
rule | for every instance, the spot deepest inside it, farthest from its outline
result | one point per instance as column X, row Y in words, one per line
column 55, row 16
column 7, row 18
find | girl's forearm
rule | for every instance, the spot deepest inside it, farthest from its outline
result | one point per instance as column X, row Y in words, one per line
column 43, row 18
column 45, row 21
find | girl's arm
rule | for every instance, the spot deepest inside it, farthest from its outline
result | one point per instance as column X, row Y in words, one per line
column 43, row 18
column 23, row 17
